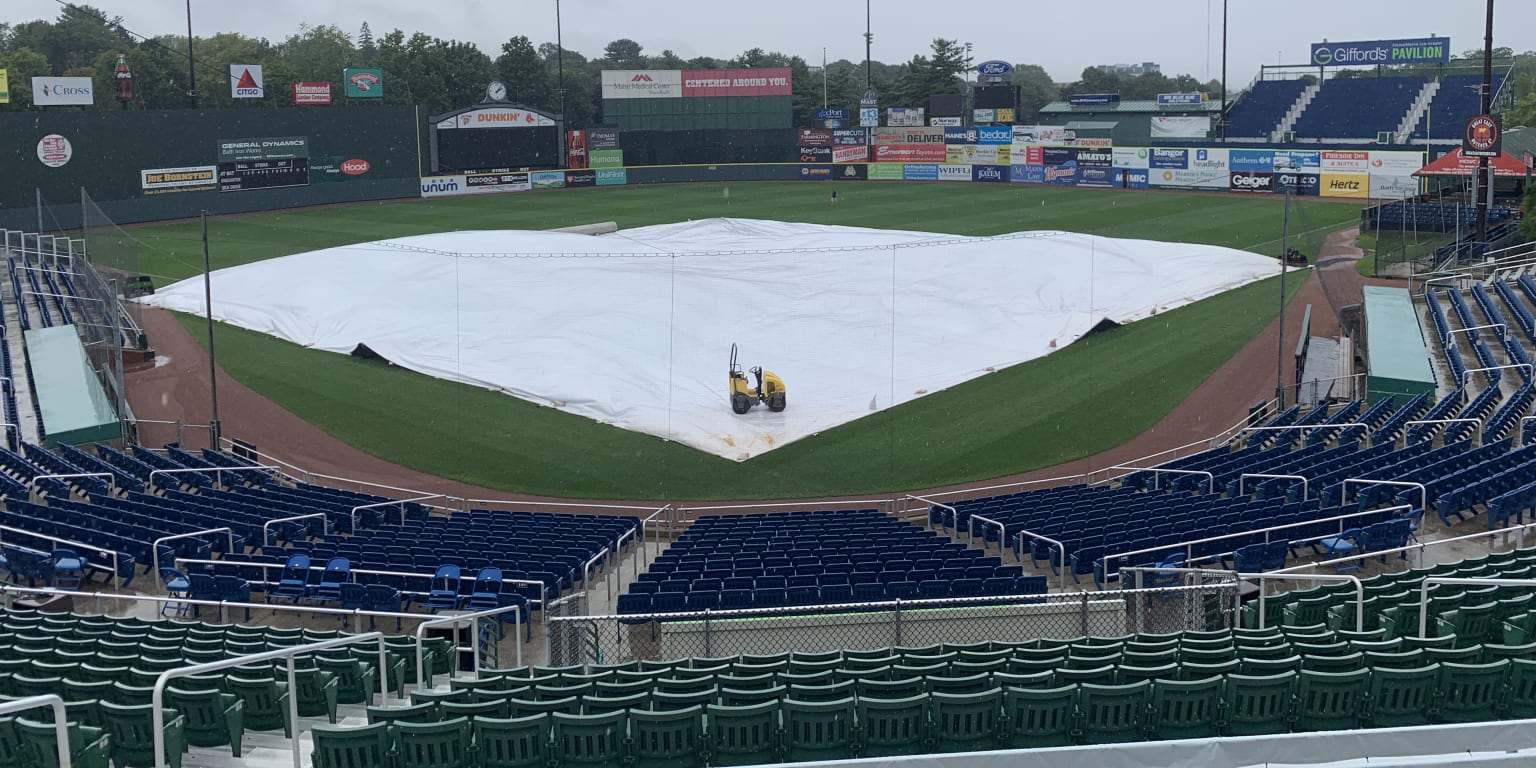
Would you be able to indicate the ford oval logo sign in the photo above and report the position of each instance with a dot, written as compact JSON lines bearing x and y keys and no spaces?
{"x":994,"y":68}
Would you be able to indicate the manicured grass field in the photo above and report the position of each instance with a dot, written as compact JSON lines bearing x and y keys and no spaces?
{"x":1085,"y":398}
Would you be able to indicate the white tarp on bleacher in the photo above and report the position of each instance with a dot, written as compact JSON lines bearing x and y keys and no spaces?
{"x":634,"y":329}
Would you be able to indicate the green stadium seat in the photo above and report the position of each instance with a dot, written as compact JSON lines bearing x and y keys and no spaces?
{"x":353,"y":746}
{"x":1186,"y":709}
{"x":266,"y":703}
{"x":132,"y":732}
{"x":519,"y":742}
{"x":1114,"y":713}
{"x":818,"y":730}
{"x":891,"y":727}
{"x":213,"y":719}
{"x":443,"y":744}
{"x":1401,"y":697}
{"x":744,"y":735}
{"x":1472,"y":692}
{"x":965,"y":722}
{"x":1330,"y":700}
{"x":1259,"y":704}
{"x":1039,"y":717}
{"x":673,"y":739}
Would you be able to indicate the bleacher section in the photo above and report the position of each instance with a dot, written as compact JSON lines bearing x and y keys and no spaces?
{"x":815,"y":558}
{"x":1457,"y":99}
{"x":105,"y":669}
{"x":1302,"y":666}
{"x":1358,"y":108}
{"x":1259,"y":114}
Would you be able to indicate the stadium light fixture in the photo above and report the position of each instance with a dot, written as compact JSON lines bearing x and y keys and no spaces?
{"x":191,"y":70}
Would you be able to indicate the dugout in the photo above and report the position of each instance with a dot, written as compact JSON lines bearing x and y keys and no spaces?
{"x":73,"y":403}
{"x":1396,"y":358}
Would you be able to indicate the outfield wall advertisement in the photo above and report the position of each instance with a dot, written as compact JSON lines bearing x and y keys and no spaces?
{"x":955,"y":155}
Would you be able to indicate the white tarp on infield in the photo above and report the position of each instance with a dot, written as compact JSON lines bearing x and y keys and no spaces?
{"x":634,"y":329}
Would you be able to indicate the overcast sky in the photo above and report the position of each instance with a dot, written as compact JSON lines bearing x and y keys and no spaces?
{"x":1181,"y":35}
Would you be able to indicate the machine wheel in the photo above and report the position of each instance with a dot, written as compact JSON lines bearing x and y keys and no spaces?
{"x":776,"y":402}
{"x":740,"y":403}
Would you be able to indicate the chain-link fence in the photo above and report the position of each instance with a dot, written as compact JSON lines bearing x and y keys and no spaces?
{"x":1207,"y":602}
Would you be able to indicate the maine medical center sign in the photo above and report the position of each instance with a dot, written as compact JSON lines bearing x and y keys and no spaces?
{"x":1421,"y":51}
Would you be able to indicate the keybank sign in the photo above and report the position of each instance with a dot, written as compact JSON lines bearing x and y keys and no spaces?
{"x":1420,"y":51}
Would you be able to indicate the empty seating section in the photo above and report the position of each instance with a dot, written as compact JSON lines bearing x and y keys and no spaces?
{"x":1433,"y":217}
{"x":1274,"y":675}
{"x":1160,"y":512}
{"x":532,"y":546}
{"x":815,"y":558}
{"x":1358,"y":108}
{"x":1457,"y":99}
{"x":105,"y":669}
{"x":1259,"y":114}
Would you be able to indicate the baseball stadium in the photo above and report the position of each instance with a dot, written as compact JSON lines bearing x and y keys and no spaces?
{"x":667,"y":413}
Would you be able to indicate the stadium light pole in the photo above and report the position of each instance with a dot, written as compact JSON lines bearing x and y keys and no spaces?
{"x":1221,"y":117}
{"x":1484,"y":187}
{"x":191,"y":70}
{"x":213,"y":371}
{"x":1285,"y":250}
{"x":869,"y":41}
{"x":560,"y":59}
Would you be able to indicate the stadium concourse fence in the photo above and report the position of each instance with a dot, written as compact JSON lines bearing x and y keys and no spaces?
{"x":1205,"y":601}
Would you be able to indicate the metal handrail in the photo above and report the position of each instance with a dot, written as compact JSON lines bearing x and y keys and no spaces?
{"x":266,"y":528}
{"x":1019,"y":486}
{"x":1187,"y":546}
{"x":1466,"y":376}
{"x":60,"y":720}
{"x":1423,"y":490}
{"x":218,"y":472}
{"x":391,"y":503}
{"x":1503,"y":330}
{"x":1305,"y":427}
{"x":111,"y":478}
{"x":1002,"y":533}
{"x":155,"y":547}
{"x":455,"y":620}
{"x":157,"y":698}
{"x":618,"y":547}
{"x":117,"y":573}
{"x":316,"y":475}
{"x":313,"y":567}
{"x":1518,"y":530}
{"x":1477,"y":434}
{"x":954,"y":514}
{"x":645,"y":538}
{"x":1210,"y":479}
{"x":1241,"y":481}
{"x":1061,"y":549}
{"x":1359,"y":590}
{"x":1464,"y":581}
{"x":586,"y":568}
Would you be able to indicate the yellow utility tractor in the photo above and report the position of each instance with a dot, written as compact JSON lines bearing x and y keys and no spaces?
{"x":769,"y":390}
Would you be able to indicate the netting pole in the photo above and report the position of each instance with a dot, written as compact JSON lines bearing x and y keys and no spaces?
{"x":39,"y":192}
{"x":213,"y":372}
{"x":1285,"y":250}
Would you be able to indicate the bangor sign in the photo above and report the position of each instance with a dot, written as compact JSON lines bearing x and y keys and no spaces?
{"x":1420,"y":51}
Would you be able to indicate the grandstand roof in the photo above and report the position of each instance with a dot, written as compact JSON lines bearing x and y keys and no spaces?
{"x":1132,"y":106}
{"x":1091,"y":125}
{"x":1453,"y":163}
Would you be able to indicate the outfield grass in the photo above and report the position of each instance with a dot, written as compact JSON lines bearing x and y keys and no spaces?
{"x":1085,"y":398}
{"x":174,"y":251}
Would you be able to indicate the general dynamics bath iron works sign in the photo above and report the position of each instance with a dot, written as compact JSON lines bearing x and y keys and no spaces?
{"x":1425,"y":50}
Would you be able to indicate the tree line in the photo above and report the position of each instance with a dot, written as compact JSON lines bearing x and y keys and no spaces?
{"x":440,"y":74}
